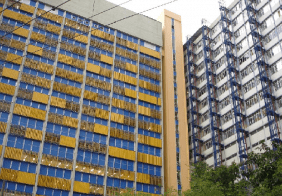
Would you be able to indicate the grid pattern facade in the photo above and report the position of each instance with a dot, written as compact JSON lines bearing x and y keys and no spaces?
{"x":80,"y":106}
{"x":233,"y":74}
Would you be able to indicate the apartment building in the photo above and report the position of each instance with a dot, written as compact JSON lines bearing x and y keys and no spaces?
{"x":233,"y":82}
{"x":81,"y":108}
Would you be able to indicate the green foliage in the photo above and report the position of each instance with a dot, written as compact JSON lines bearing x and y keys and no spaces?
{"x":266,"y":176}
{"x":262,"y":178}
{"x":215,"y":182}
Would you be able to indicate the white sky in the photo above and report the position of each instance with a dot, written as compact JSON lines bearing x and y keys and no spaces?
{"x":191,"y":11}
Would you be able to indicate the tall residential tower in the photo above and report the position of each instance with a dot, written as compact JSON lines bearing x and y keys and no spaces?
{"x":233,"y":82}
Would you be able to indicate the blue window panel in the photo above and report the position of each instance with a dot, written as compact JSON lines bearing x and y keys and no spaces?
{"x":93,"y":179}
{"x":139,"y":187}
{"x":101,"y":159}
{"x":111,"y":162}
{"x":151,"y":189}
{"x":146,"y":188}
{"x":178,"y":168}
{"x":51,"y":172}
{"x":146,"y":149}
{"x":15,"y":165}
{"x":78,"y":176}
{"x":158,"y":152}
{"x":24,"y":167}
{"x":123,"y":184}
{"x":118,"y":163}
{"x":116,"y":183}
{"x":110,"y":182}
{"x":67,"y":174}
{"x":60,"y":173}
{"x":158,"y":171}
{"x":145,"y":168}
{"x":85,"y":177}
{"x":179,"y":187}
{"x":177,"y":135}
{"x":124,"y":165}
{"x":151,"y":169}
{"x":60,"y":12}
{"x":139,"y":167}
{"x":43,"y":170}
{"x":129,"y":184}
{"x":130,"y":165}
{"x":100,"y":180}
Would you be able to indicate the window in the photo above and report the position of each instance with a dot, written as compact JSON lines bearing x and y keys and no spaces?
{"x":263,"y":10}
{"x":221,"y":76}
{"x":270,"y":36}
{"x":225,"y":102}
{"x":251,"y":84}
{"x":240,"y":32}
{"x":227,"y":117}
{"x":242,"y":44}
{"x":277,"y":84}
{"x":205,"y":131}
{"x":222,"y":89}
{"x":273,"y":51}
{"x":207,"y":145}
{"x":267,"y":23}
{"x":249,"y":69}
{"x":229,"y":132}
{"x":253,"y":100}
{"x":205,"y":117}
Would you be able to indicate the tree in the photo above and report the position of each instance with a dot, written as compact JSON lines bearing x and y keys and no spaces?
{"x":221,"y":181}
{"x":265,"y":170}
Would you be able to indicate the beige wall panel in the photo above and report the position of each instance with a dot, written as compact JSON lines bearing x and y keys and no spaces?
{"x":168,"y":100}
{"x":182,"y":111}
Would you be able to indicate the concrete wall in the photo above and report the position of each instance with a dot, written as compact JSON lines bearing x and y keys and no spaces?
{"x":170,"y":165}
{"x":139,"y":26}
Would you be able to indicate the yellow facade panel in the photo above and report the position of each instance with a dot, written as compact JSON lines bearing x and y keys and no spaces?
{"x":33,"y":134}
{"x":132,"y":68}
{"x":67,"y":141}
{"x":130,"y":93}
{"x":35,"y":50}
{"x":37,"y":114}
{"x":81,"y":187}
{"x":3,"y":127}
{"x":122,"y":153}
{"x":13,"y":153}
{"x":38,"y":37}
{"x":22,"y":32}
{"x":117,"y":118}
{"x":81,"y":38}
{"x":10,"y":73}
{"x":107,"y":59}
{"x":7,"y":89}
{"x":25,"y":178}
{"x":17,"y":176}
{"x":71,"y":122}
{"x":159,"y":101}
{"x":101,"y":129}
{"x":93,"y":68}
{"x":58,"y":102}
{"x":14,"y":58}
{"x":39,"y":97}
{"x":27,"y":8}
{"x":150,"y":52}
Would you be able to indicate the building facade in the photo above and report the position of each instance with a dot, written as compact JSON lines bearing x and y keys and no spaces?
{"x":81,"y":102}
{"x":233,"y":76}
{"x":176,"y":151}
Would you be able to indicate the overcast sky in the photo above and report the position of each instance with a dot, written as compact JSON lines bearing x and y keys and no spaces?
{"x":191,"y":11}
